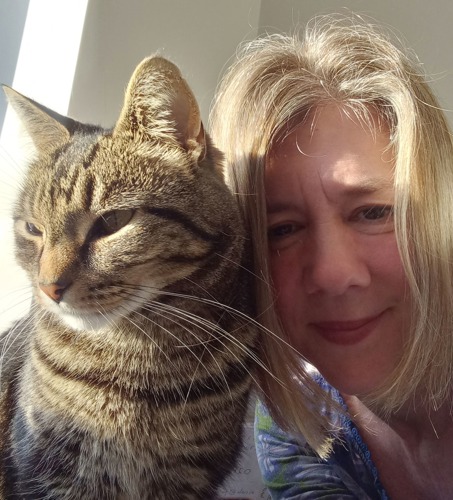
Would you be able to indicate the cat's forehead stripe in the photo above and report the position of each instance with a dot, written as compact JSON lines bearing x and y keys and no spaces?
{"x":91,"y":156}
{"x":89,"y":190}
{"x":66,"y":180}
{"x":71,"y":176}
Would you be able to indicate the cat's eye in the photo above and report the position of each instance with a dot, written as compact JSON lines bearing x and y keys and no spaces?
{"x":111,"y":222}
{"x":32,"y":229}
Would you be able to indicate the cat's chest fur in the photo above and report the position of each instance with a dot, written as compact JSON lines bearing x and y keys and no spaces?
{"x":129,"y":379}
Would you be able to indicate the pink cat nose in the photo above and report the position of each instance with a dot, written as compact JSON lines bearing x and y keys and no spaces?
{"x":53,"y":290}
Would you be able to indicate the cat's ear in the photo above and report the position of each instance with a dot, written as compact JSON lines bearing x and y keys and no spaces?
{"x":159,"y":103}
{"x":46,"y":128}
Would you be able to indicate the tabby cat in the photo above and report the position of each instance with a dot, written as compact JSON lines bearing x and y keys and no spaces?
{"x":130,"y":376}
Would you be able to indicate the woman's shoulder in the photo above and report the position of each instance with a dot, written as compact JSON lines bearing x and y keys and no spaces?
{"x":291,"y":467}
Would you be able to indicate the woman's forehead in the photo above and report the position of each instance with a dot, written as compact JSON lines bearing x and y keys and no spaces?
{"x":332,"y":127}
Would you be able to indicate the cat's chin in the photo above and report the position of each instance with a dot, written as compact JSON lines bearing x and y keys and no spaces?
{"x":88,"y":322}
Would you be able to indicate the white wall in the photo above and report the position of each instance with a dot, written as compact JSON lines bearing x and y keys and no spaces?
{"x":198,"y":35}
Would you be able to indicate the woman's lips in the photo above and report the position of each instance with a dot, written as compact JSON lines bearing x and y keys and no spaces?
{"x":346,"y":332}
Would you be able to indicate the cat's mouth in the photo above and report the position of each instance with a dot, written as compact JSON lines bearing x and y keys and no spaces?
{"x":92,"y":317}
{"x":92,"y":321}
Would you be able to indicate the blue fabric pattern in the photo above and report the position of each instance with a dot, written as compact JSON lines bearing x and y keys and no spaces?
{"x":291,"y":469}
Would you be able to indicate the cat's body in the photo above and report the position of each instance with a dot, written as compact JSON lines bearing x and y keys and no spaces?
{"x":130,"y":377}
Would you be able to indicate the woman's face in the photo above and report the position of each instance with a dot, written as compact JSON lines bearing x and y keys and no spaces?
{"x":339,"y":281}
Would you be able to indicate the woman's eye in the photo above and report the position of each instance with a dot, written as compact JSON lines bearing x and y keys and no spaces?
{"x":281,"y":231}
{"x":32,"y":229}
{"x":377,"y":213}
{"x":374,"y":219}
{"x":111,"y":222}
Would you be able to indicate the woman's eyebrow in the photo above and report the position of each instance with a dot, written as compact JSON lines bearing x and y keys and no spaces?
{"x":281,"y":206}
{"x":367,"y":186}
{"x":357,"y":188}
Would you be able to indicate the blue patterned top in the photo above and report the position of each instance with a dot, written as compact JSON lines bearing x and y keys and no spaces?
{"x":291,"y":469}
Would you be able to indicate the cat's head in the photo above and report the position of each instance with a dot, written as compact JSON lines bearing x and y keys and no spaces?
{"x":109,"y":219}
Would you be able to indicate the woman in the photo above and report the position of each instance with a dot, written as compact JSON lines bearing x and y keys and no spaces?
{"x":343,"y":164}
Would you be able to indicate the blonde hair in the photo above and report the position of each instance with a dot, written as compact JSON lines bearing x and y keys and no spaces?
{"x":274,"y":83}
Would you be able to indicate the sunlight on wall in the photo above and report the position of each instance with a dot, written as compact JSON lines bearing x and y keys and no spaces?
{"x":45,"y":72}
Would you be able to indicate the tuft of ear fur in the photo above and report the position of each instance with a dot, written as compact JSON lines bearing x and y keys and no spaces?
{"x":160,"y":104}
{"x":46,"y":128}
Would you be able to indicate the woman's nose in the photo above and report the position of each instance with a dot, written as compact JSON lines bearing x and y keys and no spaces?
{"x":335,"y":261}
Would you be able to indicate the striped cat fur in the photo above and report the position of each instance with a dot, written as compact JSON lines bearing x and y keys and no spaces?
{"x":130,"y":376}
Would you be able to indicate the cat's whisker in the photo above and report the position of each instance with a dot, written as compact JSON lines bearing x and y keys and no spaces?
{"x":104,"y":315}
{"x":190,"y":319}
{"x":245,"y":317}
{"x":166,"y":330}
{"x":237,"y":265}
{"x":16,"y":290}
{"x":19,"y":325}
{"x":24,"y":293}
{"x":128,"y":318}
{"x":210,"y":327}
{"x":192,"y":381}
{"x":21,"y":306}
{"x":193,"y":320}
{"x":10,"y":337}
{"x":199,"y":286}
{"x":154,"y":305}
{"x":227,"y":308}
{"x":250,"y":353}
{"x":244,"y":268}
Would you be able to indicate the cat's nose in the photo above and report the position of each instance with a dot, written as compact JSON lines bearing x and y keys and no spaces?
{"x":54,"y":290}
